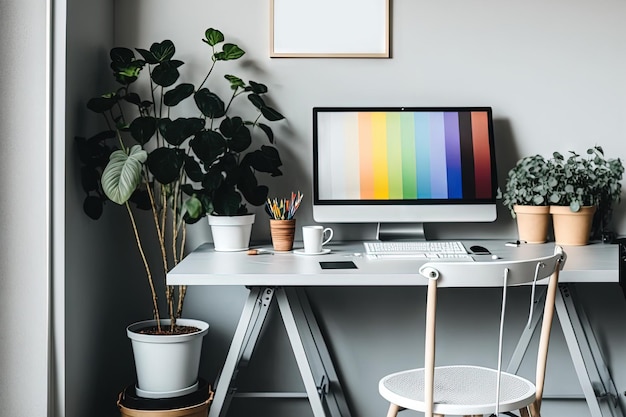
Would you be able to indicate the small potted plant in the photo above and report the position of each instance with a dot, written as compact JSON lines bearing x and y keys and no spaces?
{"x":526,"y":196}
{"x":178,"y":167}
{"x":579,"y":186}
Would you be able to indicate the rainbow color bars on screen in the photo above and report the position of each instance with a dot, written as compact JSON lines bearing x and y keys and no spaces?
{"x":405,"y":155}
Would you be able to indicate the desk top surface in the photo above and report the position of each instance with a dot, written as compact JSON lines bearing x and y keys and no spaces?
{"x":204,"y":266}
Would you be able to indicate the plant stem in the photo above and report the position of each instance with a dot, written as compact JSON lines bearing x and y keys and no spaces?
{"x":209,"y":73}
{"x":146,"y":266}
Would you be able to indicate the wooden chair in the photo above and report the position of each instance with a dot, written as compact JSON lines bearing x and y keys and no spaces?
{"x":474,"y":390}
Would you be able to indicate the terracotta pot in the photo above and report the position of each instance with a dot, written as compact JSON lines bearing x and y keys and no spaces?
{"x":532,"y":223}
{"x":282,"y":232}
{"x":572,"y":228}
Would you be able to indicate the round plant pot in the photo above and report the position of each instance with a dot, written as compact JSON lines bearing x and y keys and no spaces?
{"x":166,"y":365}
{"x":572,"y":228}
{"x":532,"y":223}
{"x":195,"y":404}
{"x":282,"y":233}
{"x":231,"y":233}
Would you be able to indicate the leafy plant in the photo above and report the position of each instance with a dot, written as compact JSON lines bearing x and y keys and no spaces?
{"x":585,"y":181}
{"x":179,"y":168}
{"x":527,"y":183}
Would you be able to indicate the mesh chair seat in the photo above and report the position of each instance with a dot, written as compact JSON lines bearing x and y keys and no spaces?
{"x":458,"y":390}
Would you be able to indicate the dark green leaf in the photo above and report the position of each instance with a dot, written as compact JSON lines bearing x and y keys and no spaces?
{"x":148,"y":56}
{"x":177,"y":131}
{"x":193,"y":170}
{"x":178,"y":94}
{"x":226,"y":201}
{"x":229,"y":52}
{"x":271,"y":114}
{"x":120,"y":57}
{"x":90,"y":178}
{"x":133,"y":98}
{"x":213,"y":36}
{"x":143,"y":128}
{"x":92,"y":206}
{"x":256,"y":100}
{"x":258,"y":88}
{"x":237,"y":132}
{"x":165,"y":164}
{"x":126,"y":71}
{"x":166,"y":73}
{"x":208,"y":145}
{"x":163,"y":51}
{"x":104,"y":135}
{"x":141,"y":199}
{"x":253,"y":193}
{"x":212,"y":180}
{"x":268,"y":131}
{"x":209,"y":103}
{"x":265,"y":159}
{"x":235,"y":82}
{"x":101,"y":104}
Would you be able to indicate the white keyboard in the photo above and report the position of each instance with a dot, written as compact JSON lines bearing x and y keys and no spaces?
{"x":427,"y":250}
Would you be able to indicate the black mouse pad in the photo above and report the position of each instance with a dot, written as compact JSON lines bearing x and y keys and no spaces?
{"x":338,"y":265}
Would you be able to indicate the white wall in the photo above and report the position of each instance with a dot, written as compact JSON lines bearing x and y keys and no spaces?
{"x":553,"y":72}
{"x":24,"y":208}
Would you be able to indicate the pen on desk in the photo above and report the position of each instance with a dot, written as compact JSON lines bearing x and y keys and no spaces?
{"x":259,"y":252}
{"x":514,"y":244}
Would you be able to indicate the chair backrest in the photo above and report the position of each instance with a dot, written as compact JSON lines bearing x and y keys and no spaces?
{"x":492,"y":274}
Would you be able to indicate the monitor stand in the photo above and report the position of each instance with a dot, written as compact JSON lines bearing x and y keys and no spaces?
{"x":400,"y":231}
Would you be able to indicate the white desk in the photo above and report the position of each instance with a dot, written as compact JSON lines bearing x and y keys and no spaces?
{"x":282,"y":276}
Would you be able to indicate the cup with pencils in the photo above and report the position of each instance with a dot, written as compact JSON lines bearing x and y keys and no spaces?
{"x":282,"y":220}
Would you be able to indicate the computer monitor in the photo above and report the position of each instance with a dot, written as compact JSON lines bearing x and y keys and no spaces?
{"x":401,"y":167}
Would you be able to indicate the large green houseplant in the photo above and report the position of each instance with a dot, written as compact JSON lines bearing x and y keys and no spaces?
{"x":589,"y":185}
{"x":152,"y":156}
{"x":526,"y":196}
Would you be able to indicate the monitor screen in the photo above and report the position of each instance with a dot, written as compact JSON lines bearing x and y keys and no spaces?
{"x":403,"y":165}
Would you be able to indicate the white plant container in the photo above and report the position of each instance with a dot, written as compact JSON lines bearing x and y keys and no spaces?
{"x":231,"y":233}
{"x":166,"y":365}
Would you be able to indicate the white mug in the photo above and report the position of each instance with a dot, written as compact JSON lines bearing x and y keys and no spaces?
{"x":314,"y":237}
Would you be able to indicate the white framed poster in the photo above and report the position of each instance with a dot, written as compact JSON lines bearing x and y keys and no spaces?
{"x":329,"y":28}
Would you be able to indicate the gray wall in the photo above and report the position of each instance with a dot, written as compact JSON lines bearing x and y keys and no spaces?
{"x":24,"y":209}
{"x":553,"y":72}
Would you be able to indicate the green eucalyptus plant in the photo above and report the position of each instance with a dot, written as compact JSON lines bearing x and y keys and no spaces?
{"x":591,"y":180}
{"x":527,"y":183}
{"x":179,"y":167}
{"x":584,"y":180}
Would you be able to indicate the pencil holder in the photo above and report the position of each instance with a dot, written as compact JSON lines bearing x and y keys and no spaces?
{"x":282,"y":232}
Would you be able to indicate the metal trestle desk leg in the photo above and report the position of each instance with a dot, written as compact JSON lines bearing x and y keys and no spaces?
{"x":314,"y":363}
{"x":601,"y":394}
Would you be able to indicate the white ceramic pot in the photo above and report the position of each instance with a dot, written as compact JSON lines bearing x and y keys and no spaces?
{"x":231,"y":233}
{"x":166,"y":365}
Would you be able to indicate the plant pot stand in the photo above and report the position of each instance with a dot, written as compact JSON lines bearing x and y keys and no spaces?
{"x":195,"y":404}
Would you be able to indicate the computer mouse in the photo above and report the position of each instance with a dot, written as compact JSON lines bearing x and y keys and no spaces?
{"x":480,"y":250}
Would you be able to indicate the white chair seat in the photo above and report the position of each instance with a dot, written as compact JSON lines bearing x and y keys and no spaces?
{"x":459,"y":390}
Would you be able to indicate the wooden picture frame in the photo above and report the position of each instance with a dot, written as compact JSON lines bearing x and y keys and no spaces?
{"x":329,"y":28}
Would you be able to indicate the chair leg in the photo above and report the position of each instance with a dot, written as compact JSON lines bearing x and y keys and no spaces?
{"x":523,"y":412}
{"x":534,"y":409}
{"x":393,"y":410}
